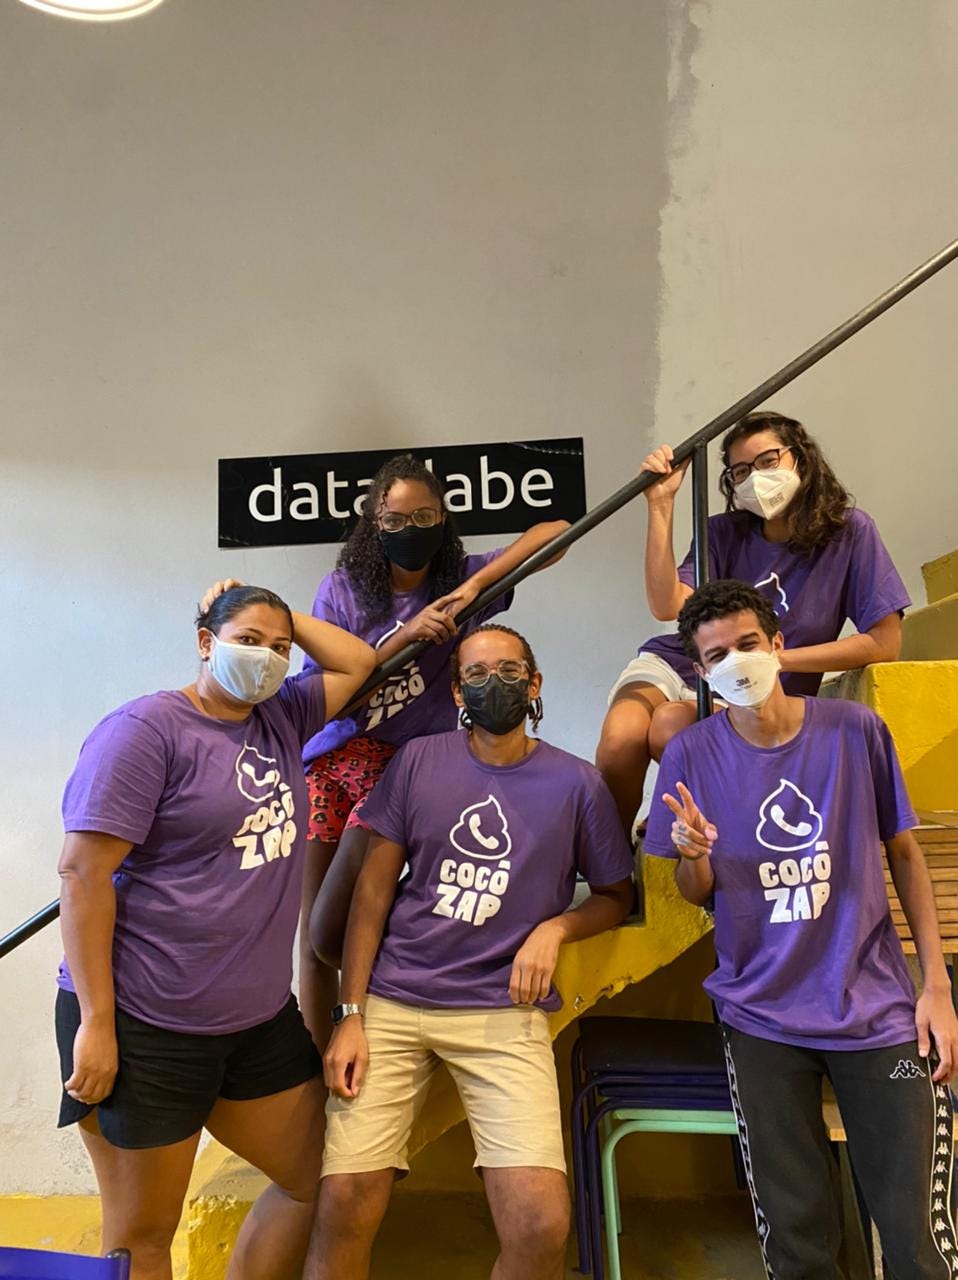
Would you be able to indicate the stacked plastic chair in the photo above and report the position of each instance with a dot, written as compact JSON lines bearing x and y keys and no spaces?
{"x":632,"y":1075}
{"x":41,"y":1264}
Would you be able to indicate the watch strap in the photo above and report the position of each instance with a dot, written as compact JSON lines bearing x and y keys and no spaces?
{"x":341,"y":1011}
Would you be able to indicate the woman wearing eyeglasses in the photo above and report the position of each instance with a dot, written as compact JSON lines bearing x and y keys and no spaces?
{"x":401,"y":576}
{"x":790,"y":529}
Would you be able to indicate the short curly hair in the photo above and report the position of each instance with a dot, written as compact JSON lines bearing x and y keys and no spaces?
{"x":720,"y":599}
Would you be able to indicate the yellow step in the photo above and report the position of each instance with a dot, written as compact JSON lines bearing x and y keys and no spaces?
{"x":941,"y":577}
{"x":931,"y":634}
{"x":919,"y":703}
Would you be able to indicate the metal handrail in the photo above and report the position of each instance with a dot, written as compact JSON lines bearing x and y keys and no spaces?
{"x":694,"y":445}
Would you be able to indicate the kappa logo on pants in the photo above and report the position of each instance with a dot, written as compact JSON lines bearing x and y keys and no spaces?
{"x":906,"y":1070}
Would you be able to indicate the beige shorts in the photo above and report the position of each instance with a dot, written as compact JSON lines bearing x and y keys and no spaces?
{"x":503,"y":1066}
{"x":649,"y":668}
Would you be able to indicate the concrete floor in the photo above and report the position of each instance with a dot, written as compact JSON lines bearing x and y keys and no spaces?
{"x":427,"y":1236}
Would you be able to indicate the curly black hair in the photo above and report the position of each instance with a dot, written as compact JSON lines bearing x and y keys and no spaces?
{"x":535,"y":705}
{"x":719,"y":599}
{"x":820,"y":508}
{"x":363,"y":556}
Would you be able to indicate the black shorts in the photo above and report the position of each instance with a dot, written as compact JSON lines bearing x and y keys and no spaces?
{"x":168,"y":1081}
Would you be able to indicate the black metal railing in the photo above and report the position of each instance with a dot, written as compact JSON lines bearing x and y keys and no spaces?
{"x":695,"y":447}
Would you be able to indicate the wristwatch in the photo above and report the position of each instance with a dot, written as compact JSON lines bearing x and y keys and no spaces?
{"x":341,"y":1011}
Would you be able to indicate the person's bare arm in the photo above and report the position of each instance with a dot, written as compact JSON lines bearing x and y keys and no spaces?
{"x":87,"y":918}
{"x":345,"y":660}
{"x":347,"y":1054}
{"x":935,"y":1012}
{"x":516,"y":553}
{"x":880,"y":643}
{"x":536,"y":959}
{"x":665,"y":593}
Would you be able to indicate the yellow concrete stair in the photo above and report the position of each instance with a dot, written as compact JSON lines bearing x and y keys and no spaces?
{"x":917,"y":697}
{"x":587,"y":971}
{"x":930,"y":634}
{"x":941,"y":577}
{"x":919,"y":703}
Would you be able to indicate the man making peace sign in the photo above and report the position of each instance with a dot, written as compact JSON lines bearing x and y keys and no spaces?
{"x":776,"y":808}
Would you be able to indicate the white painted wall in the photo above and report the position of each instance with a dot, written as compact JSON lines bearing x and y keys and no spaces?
{"x":813,"y":161}
{"x":234,"y":228}
{"x":231,"y":228}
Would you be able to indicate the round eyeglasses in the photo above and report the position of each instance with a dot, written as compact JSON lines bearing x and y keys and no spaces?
{"x":767,"y":460}
{"x":422,"y":518}
{"x":509,"y":671}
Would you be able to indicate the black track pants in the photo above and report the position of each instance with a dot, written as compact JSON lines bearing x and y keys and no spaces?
{"x":899,"y":1127}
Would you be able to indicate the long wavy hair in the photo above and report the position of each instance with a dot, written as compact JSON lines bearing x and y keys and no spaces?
{"x":363,"y":557}
{"x":820,"y":508}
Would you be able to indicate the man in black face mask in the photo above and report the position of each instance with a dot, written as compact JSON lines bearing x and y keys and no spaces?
{"x":494,"y":824}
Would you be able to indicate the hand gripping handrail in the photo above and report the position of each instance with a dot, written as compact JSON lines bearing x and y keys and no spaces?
{"x":695,"y":444}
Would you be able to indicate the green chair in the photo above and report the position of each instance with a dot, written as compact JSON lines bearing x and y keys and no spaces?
{"x":618,"y":1125}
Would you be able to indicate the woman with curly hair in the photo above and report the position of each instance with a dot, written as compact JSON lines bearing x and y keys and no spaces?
{"x":401,"y":576}
{"x":790,"y":529}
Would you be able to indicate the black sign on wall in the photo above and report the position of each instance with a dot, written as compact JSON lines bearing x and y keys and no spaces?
{"x":315,"y":497}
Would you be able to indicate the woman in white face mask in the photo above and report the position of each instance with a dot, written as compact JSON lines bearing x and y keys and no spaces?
{"x":182,"y":873}
{"x":791,"y":530}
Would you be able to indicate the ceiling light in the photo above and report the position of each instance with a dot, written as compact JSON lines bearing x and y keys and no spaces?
{"x":94,"y":10}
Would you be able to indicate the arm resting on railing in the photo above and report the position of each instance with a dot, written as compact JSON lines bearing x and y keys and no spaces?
{"x":526,"y":545}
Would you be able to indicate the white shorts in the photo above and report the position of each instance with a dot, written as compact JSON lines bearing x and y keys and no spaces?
{"x":649,"y":668}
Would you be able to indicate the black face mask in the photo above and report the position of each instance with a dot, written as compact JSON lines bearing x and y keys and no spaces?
{"x":412,"y":548}
{"x":497,"y":707}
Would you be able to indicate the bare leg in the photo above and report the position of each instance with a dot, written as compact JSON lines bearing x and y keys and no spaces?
{"x":327,"y":925}
{"x":318,"y":983}
{"x":351,"y":1208}
{"x":142,"y":1196}
{"x":668,"y":720}
{"x":530,"y":1207}
{"x":623,"y":755}
{"x":282,"y":1136}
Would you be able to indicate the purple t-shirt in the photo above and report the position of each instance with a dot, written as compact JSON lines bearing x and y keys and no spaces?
{"x":850,"y":577}
{"x":807,"y":952}
{"x":416,"y":700}
{"x":493,"y":851}
{"x":207,"y":900}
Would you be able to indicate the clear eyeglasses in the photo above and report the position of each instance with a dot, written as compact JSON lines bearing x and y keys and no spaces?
{"x":509,"y":671}
{"x":422,"y":518}
{"x":769,"y":460}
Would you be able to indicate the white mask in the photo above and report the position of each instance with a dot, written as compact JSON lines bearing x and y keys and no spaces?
{"x":745,"y":679}
{"x":250,"y":672}
{"x":767,"y":493}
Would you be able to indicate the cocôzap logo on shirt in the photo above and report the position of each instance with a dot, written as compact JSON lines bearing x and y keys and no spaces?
{"x":471,"y":887}
{"x":398,"y":691}
{"x":268,"y":831}
{"x":797,"y":886}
